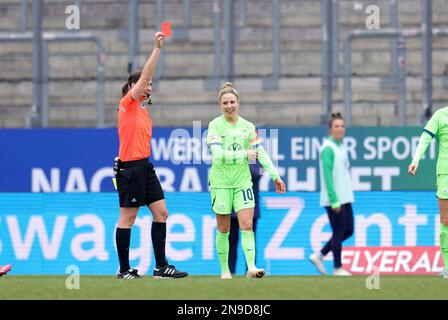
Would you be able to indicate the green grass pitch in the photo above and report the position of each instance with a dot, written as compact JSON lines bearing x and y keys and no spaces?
{"x":211,"y":287}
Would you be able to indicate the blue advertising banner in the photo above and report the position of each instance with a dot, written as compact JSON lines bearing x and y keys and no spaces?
{"x":80,"y":160}
{"x":45,"y":233}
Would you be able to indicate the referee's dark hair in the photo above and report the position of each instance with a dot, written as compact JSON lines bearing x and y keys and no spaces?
{"x":133,"y":78}
{"x":334,"y":116}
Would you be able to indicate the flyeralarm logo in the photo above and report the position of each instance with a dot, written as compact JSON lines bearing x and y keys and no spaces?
{"x":393,"y":260}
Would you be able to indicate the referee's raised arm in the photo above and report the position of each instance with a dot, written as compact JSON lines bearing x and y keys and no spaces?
{"x":150,"y":66}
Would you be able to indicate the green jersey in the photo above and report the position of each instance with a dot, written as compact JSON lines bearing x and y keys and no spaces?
{"x":436,"y":127}
{"x":229,"y":144}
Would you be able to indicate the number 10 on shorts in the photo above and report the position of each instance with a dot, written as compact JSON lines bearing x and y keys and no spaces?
{"x":248,"y":194}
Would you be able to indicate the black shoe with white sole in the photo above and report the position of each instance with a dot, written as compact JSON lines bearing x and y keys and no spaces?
{"x":167,"y":272}
{"x":130,"y":274}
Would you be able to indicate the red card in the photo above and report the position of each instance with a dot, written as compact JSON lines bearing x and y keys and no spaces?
{"x":166,"y":28}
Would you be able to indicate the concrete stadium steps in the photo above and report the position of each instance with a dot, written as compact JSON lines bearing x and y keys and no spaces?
{"x":15,"y":115}
{"x":188,"y":62}
{"x":190,"y":91}
{"x":367,"y":87}
{"x":372,"y":114}
{"x":200,"y":65}
{"x":177,"y":102}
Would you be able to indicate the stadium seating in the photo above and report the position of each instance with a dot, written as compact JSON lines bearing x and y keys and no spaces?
{"x":180,"y":96}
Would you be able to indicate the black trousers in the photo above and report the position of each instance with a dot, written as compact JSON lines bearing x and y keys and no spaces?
{"x":342,"y":227}
{"x":233,"y":241}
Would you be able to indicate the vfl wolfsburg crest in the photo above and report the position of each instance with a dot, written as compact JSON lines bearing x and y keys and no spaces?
{"x":234,"y":147}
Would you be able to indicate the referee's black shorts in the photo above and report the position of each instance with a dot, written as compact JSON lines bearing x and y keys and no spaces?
{"x":137,"y":184}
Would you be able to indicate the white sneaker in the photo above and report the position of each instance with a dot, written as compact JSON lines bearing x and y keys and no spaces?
{"x":255,"y":273}
{"x":341,"y":272}
{"x":318,"y":260}
{"x":226,"y":275}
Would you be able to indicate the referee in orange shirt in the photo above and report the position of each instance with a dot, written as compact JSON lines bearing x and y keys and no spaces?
{"x":137,"y":183}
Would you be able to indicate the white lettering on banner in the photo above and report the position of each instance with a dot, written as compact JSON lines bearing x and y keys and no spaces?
{"x":179,"y":152}
{"x":306,"y":148}
{"x":371,"y":260}
{"x":166,"y":177}
{"x":76,"y":181}
{"x":160,"y":149}
{"x":181,"y":148}
{"x":36,"y":226}
{"x":399,"y":147}
{"x":308,"y":185}
{"x":179,"y":139}
{"x":406,"y":148}
{"x":208,"y":237}
{"x":437,"y":258}
{"x":187,"y":236}
{"x":356,"y":173}
{"x":384,"y":145}
{"x":422,"y":263}
{"x":386,"y":174}
{"x":411,"y":220}
{"x":393,"y":260}
{"x":273,"y":250}
{"x":272,"y":148}
{"x":97,"y":237}
{"x":99,"y":176}
{"x":350,"y":145}
{"x":297,"y":148}
{"x":318,"y":238}
{"x":190,"y":181}
{"x":356,"y":263}
{"x":143,"y":252}
{"x":370,"y":148}
{"x":403,"y":259}
{"x":40,"y":182}
{"x":436,"y":230}
{"x":378,"y":219}
{"x":387,"y":263}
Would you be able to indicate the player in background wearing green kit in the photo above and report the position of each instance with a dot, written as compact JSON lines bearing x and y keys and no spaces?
{"x":233,"y":142}
{"x":437,"y":127}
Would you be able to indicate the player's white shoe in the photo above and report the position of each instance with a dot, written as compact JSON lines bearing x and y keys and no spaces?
{"x":255,"y":273}
{"x":445,"y":274}
{"x":226,"y":275}
{"x":341,"y":272}
{"x":318,"y":260}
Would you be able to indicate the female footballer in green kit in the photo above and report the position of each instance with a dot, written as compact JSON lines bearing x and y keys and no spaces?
{"x":233,"y":142}
{"x":437,"y":127}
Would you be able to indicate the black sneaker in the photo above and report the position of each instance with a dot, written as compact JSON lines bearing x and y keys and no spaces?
{"x":167,"y":272}
{"x":130,"y":274}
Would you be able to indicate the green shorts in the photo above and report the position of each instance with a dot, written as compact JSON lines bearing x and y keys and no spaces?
{"x":442,"y":186}
{"x":224,"y":200}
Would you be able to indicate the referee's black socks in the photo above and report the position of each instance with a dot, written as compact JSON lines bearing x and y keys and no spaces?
{"x":158,"y":236}
{"x":123,"y":240}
